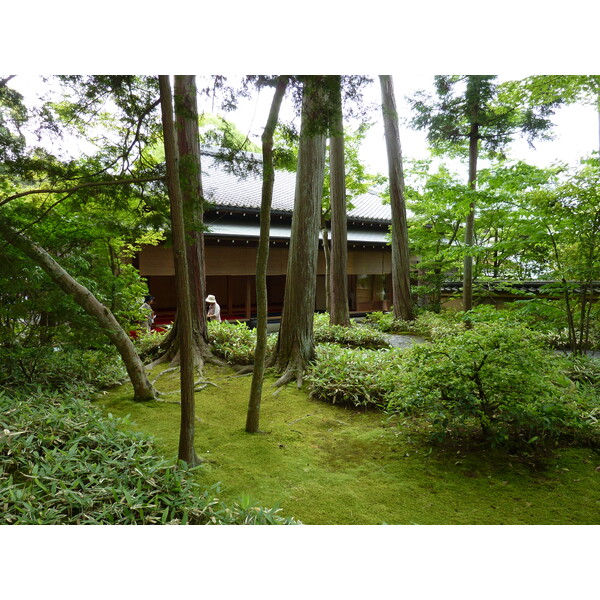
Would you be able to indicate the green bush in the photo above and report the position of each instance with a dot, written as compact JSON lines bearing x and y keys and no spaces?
{"x":427,"y":323}
{"x":355,"y":335}
{"x":63,"y":462}
{"x":235,"y":342}
{"x":60,"y":368}
{"x":148,"y":343}
{"x":497,"y":378}
{"x":362,"y":378}
{"x":387,"y":323}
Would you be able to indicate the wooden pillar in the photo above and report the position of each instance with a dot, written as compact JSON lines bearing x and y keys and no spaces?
{"x":229,"y":296}
{"x":248,"y":296}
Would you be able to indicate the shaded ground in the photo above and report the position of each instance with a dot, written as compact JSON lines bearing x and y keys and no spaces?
{"x":327,"y":464}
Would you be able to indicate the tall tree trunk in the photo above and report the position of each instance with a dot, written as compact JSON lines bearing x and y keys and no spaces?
{"x":403,"y":308}
{"x":182,"y":283}
{"x":470,"y":221}
{"x":262,"y":259}
{"x":188,"y":143}
{"x":338,"y":267}
{"x":295,"y":345}
{"x":142,"y":388}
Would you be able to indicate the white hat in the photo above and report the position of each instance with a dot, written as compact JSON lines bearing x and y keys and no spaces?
{"x":210,"y":298}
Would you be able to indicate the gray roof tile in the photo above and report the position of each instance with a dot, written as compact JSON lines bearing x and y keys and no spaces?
{"x":226,"y":189}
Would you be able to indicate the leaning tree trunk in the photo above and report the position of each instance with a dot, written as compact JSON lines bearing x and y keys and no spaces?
{"x":262,"y":259}
{"x":295,"y":345}
{"x":186,"y":115}
{"x":338,"y":271}
{"x":142,"y":388}
{"x":182,"y":283}
{"x":403,"y":308}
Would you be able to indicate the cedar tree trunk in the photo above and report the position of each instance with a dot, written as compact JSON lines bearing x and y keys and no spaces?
{"x":186,"y":116}
{"x":338,"y":269}
{"x":470,"y":221}
{"x":182,"y":284}
{"x":403,"y":308}
{"x":295,"y":345}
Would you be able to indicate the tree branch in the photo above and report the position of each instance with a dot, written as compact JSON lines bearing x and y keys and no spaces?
{"x":81,"y":186}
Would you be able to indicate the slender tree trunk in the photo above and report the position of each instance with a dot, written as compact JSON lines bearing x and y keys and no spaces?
{"x":262,"y":259}
{"x":327,"y":258}
{"x":142,"y":387}
{"x":403,"y":308}
{"x":338,"y":265}
{"x":295,"y":345}
{"x":182,"y":283}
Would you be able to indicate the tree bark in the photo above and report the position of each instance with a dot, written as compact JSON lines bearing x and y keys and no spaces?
{"x":142,"y":387}
{"x":338,"y":270}
{"x":403,"y":307}
{"x":470,"y":221}
{"x":186,"y":118}
{"x":182,"y":283}
{"x":295,"y":346}
{"x":262,"y":259}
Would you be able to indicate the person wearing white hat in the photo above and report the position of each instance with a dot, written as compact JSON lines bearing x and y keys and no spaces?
{"x":214,"y":310}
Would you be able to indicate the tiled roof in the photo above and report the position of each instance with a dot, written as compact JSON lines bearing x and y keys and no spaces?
{"x":223,"y":188}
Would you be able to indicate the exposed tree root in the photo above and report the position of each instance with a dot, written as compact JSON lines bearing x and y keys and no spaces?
{"x":300,"y":419}
{"x":201,"y":385}
{"x":169,"y":401}
{"x":294,"y":370}
{"x":169,"y":370}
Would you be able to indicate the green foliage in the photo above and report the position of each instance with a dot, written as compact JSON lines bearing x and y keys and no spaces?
{"x":464,"y":101}
{"x":496,"y":378}
{"x":355,"y":335}
{"x":64,"y":369}
{"x":362,"y":378}
{"x":388,"y":323}
{"x":62,"y":462}
{"x":429,"y":324}
{"x":13,"y":115}
{"x":148,"y":343}
{"x":235,"y":342}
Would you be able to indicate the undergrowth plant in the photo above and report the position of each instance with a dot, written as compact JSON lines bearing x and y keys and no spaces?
{"x":354,"y":335}
{"x":498,"y":380}
{"x":60,"y":368}
{"x":63,"y":462}
{"x":362,"y":378}
{"x":235,"y":342}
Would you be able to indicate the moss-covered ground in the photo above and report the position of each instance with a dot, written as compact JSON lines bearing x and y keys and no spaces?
{"x":325,"y":464}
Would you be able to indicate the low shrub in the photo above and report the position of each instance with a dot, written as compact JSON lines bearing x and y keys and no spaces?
{"x":63,"y":462}
{"x":235,"y":342}
{"x":355,"y":335}
{"x":427,"y":323}
{"x":388,"y":323}
{"x":148,"y":343}
{"x":497,"y":378}
{"x":361,"y":378}
{"x":60,"y":368}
